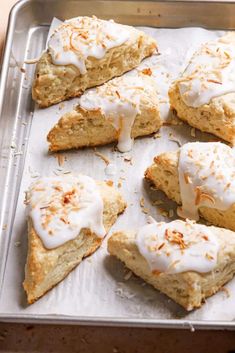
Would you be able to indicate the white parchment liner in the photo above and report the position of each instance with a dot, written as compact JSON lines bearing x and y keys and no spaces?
{"x":101,"y":286}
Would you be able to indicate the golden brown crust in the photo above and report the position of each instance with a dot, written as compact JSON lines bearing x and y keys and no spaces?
{"x":55,"y":83}
{"x":46,"y":268}
{"x":163,"y":174}
{"x":217,"y":117}
{"x":81,"y":127}
{"x":188,"y":289}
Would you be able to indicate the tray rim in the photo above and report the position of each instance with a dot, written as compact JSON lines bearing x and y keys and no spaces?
{"x":97,"y":320}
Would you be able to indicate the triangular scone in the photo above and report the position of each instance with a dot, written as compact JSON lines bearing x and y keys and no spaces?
{"x":65,"y":240}
{"x":204,"y":95}
{"x":187,"y":261}
{"x":119,"y":110}
{"x":201,"y":178}
{"x":85,"y":52}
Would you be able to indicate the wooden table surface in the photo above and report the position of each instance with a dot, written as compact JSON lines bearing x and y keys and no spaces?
{"x":44,"y":338}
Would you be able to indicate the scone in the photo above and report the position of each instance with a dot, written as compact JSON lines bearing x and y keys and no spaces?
{"x":187,"y":261}
{"x":201,"y":178}
{"x":204,"y":95}
{"x":119,"y":110}
{"x":68,"y":219}
{"x":85,"y":52}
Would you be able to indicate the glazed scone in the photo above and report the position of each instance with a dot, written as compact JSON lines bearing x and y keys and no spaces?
{"x":201,"y":178}
{"x":119,"y":110}
{"x":85,"y":52}
{"x":204,"y":96}
{"x":68,"y":219}
{"x":187,"y":261}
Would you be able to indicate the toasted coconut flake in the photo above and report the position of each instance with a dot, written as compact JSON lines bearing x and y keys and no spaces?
{"x":209,"y":257}
{"x":198,"y":195}
{"x":187,"y":179}
{"x":103,"y":157}
{"x":142,"y":202}
{"x":147,"y":71}
{"x":163,"y":212}
{"x":207,"y":197}
{"x":60,"y":159}
{"x":145,"y":210}
{"x":156,"y":272}
{"x":109,"y":182}
{"x":117,"y":93}
{"x":161,"y":246}
{"x":4,"y":227}
{"x":175,"y":237}
{"x":31,"y":61}
{"x":173,"y":138}
{"x":214,"y":81}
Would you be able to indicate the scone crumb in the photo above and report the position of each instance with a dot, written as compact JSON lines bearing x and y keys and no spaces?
{"x":127,"y":275}
{"x":157,"y":202}
{"x":226,"y":290}
{"x":163,"y":212}
{"x":142,"y":202}
{"x":31,"y":61}
{"x":157,"y":135}
{"x":61,"y":106}
{"x":193,"y":132}
{"x":173,"y":122}
{"x":144,"y":209}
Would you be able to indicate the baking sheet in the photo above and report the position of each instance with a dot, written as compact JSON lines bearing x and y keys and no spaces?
{"x":101,"y":287}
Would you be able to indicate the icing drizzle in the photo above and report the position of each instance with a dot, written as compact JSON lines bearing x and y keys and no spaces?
{"x":119,"y":101}
{"x":61,"y":206}
{"x":206,"y":177}
{"x":210,"y":72}
{"x":178,"y":247}
{"x":79,"y":38}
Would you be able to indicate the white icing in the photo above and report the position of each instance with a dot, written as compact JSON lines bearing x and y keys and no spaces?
{"x":111,"y":169}
{"x":210,"y":72}
{"x":178,"y":247}
{"x":206,"y":177}
{"x":79,"y":38}
{"x":61,"y":206}
{"x":119,"y":101}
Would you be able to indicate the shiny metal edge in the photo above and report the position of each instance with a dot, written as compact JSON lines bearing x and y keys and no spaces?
{"x":101,"y":321}
{"x":190,"y":325}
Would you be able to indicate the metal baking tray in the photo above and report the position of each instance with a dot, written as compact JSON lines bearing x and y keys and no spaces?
{"x":26,"y":36}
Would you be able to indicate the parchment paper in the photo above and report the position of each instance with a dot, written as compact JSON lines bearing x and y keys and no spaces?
{"x":101,"y":286}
